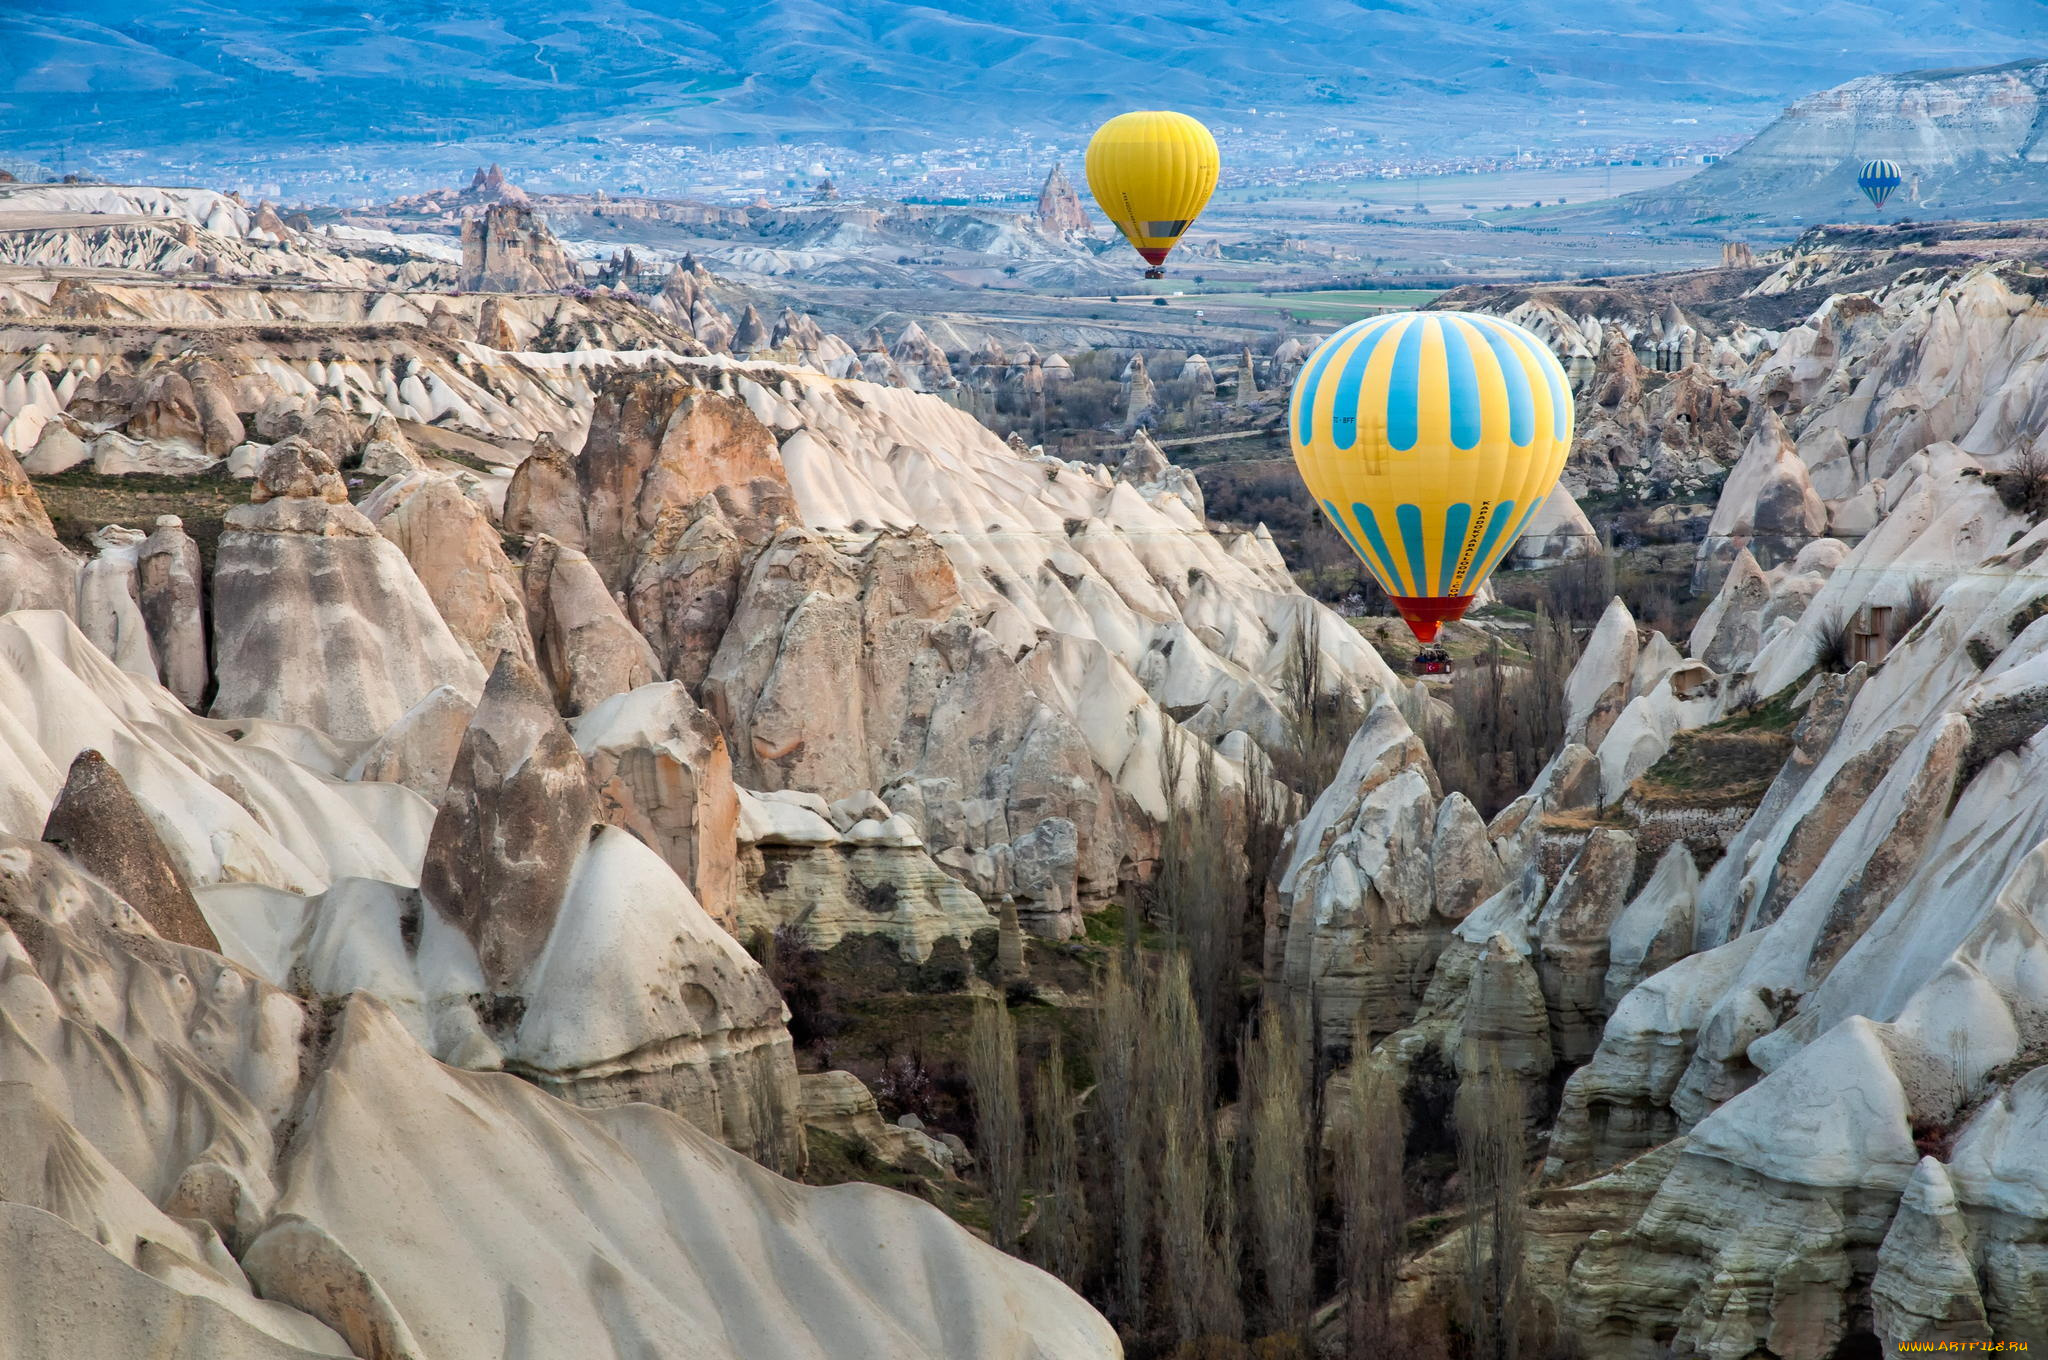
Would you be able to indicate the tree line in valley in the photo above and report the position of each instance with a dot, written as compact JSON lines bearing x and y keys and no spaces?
{"x":1203,"y":1166}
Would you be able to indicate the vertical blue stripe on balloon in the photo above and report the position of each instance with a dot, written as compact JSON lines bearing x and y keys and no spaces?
{"x":1520,"y":523}
{"x":1336,"y":517}
{"x":1560,"y":400}
{"x":1344,"y":434}
{"x":1409,"y":517}
{"x":1404,"y":390}
{"x":1495,"y":524}
{"x":1305,"y":389}
{"x":1457,"y":523}
{"x":1468,"y":417}
{"x":1371,"y":528}
{"x":1514,"y":369}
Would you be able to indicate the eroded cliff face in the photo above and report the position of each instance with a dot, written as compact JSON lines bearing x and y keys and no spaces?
{"x":220,"y":1163}
{"x":507,"y":750}
{"x":521,"y":899}
{"x":548,"y":657}
{"x":1798,"y":1024}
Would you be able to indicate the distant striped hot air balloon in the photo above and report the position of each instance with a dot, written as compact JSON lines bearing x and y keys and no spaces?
{"x":1878,"y":179}
{"x":1152,"y":173}
{"x":1429,"y":439}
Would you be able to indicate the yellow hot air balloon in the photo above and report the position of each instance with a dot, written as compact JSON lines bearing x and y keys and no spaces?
{"x":1151,"y":174}
{"x":1429,"y":439}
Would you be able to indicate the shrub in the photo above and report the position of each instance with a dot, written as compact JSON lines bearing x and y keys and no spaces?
{"x":1832,"y":642}
{"x":1918,"y":604}
{"x":907,"y":1086}
{"x":2022,"y":485}
{"x":796,"y":968}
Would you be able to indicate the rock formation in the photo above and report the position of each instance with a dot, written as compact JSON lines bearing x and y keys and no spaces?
{"x":1958,"y":130}
{"x":1059,"y":206}
{"x":35,"y":570}
{"x":317,"y":618}
{"x":99,"y":825}
{"x":1141,"y":399}
{"x":419,"y":750}
{"x":518,"y":810}
{"x":542,"y":497}
{"x":1647,"y":435}
{"x":656,"y":444}
{"x":660,"y":770}
{"x":108,"y":594}
{"x":172,"y":597}
{"x":455,"y":551}
{"x":509,"y":250}
{"x":224,"y":1239}
{"x":1558,"y":532}
{"x":586,"y":649}
{"x":850,"y":869}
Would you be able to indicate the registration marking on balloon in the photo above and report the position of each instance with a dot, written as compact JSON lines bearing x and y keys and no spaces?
{"x":1441,"y":432}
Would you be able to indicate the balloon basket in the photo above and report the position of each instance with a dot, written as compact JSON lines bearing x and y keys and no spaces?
{"x":1431,"y":661}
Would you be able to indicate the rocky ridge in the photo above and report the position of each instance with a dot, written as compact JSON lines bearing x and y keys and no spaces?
{"x":547,"y":656}
{"x":1795,"y":1028}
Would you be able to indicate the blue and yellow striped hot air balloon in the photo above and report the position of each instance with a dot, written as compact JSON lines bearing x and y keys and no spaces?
{"x":1429,"y":438}
{"x":1878,"y":179}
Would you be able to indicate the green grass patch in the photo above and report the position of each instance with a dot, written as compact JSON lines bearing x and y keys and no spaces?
{"x":80,"y":501}
{"x":1775,"y":715}
{"x":1729,"y":762}
{"x":1106,"y":928}
{"x":835,"y":1159}
{"x":1333,"y":304}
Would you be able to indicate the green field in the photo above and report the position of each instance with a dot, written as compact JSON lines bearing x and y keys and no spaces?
{"x":1335,"y":304}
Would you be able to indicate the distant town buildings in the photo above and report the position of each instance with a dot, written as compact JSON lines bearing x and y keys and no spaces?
{"x":1257,"y":155}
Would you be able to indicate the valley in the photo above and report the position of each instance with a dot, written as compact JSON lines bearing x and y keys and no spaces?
{"x":628,"y":773}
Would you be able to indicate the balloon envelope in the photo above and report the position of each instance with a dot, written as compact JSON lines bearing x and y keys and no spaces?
{"x":1429,"y":439}
{"x":1878,"y":179}
{"x":1151,"y":173}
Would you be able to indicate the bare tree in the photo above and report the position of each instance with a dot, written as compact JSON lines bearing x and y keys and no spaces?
{"x":1373,"y":1198}
{"x":1224,"y":1320}
{"x":1506,"y":718}
{"x":1194,"y":1214}
{"x":1201,"y":892}
{"x":1179,"y":1104}
{"x":998,"y":1117}
{"x":1283,"y":1209}
{"x":1059,"y":1238}
{"x":1120,"y":1124}
{"x":1492,"y":1168}
{"x":1320,"y":722}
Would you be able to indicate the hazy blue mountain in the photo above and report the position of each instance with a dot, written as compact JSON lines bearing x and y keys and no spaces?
{"x":1971,"y":143}
{"x":106,"y":73}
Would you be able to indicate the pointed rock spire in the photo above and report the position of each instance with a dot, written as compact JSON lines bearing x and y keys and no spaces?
{"x":752,"y":334}
{"x":518,"y":811}
{"x":1059,"y":206}
{"x":98,"y":823}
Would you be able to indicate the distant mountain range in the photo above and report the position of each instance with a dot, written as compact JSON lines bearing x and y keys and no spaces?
{"x":1972,"y":143}
{"x":122,"y":74}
